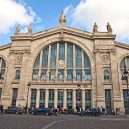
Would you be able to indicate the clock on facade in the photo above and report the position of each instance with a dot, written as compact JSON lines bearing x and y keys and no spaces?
{"x":61,"y":63}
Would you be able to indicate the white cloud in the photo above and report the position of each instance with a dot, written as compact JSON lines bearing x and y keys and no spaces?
{"x":14,"y":12}
{"x":116,"y":12}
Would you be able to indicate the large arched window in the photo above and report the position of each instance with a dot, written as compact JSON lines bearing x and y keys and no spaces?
{"x":2,"y":68}
{"x":62,"y":60}
{"x":124,"y":62}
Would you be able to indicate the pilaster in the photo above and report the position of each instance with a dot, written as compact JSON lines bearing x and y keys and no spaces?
{"x":46,"y":97}
{"x":65,"y":99}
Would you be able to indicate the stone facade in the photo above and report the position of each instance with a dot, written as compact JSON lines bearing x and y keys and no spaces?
{"x":102,"y":49}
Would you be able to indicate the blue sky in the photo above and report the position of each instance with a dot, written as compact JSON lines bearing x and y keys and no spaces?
{"x":81,"y":14}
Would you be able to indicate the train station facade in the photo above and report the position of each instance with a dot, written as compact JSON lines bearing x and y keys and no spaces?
{"x":64,"y":67}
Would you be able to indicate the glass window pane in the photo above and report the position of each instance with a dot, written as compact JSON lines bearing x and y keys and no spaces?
{"x":69,"y":98}
{"x":69,"y":74}
{"x":69,"y":56}
{"x":122,"y":63}
{"x":60,"y":98}
{"x":78,"y":98}
{"x":42,"y":98}
{"x":45,"y":58}
{"x":61,"y":51}
{"x":43,"y":74}
{"x":88,"y":99}
{"x":2,"y":74}
{"x":127,"y":62}
{"x":108,"y":98}
{"x":53,"y":56}
{"x":86,"y":61}
{"x":14,"y":96}
{"x":35,"y":74}
{"x":78,"y":57}
{"x":87,"y":74}
{"x":3,"y":64}
{"x":51,"y":98}
{"x":61,"y":74}
{"x":33,"y":97}
{"x":52,"y":74}
{"x":78,"y":74}
{"x":36,"y":64}
{"x":18,"y":72}
{"x":106,"y":75}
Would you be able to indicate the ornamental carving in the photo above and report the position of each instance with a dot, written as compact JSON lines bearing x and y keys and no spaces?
{"x":18,"y":59}
{"x":105,"y":58}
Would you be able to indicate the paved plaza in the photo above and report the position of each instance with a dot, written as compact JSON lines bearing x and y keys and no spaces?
{"x":9,"y":121}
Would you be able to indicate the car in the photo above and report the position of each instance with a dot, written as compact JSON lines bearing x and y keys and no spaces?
{"x":91,"y":112}
{"x":35,"y":111}
{"x":14,"y":110}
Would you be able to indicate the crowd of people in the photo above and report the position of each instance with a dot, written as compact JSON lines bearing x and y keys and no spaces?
{"x":69,"y":111}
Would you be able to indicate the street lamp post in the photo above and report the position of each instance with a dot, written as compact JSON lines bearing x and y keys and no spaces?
{"x":28,"y":86}
{"x":125,"y":76}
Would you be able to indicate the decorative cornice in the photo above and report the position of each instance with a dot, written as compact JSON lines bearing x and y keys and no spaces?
{"x":23,"y":51}
{"x":65,"y":30}
{"x":122,"y":45}
{"x":105,"y":50}
{"x":103,"y":35}
{"x":21,"y":36}
{"x":5,"y":46}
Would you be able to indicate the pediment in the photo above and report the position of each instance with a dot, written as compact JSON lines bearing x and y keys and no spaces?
{"x":62,"y":31}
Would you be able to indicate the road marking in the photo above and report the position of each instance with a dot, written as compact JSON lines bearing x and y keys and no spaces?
{"x":115,"y":119}
{"x":52,"y":123}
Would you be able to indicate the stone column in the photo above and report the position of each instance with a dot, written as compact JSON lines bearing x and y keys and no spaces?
{"x":65,"y":99}
{"x":46,"y":98}
{"x":116,"y":95}
{"x":29,"y":97}
{"x":83,"y":70}
{"x":74,"y":99}
{"x":74,"y":71}
{"x":65,"y":70}
{"x":83,"y":99}
{"x":37,"y":98}
{"x":49,"y":55}
{"x":57,"y":60}
{"x":40,"y":66}
{"x":55,"y":98}
{"x":97,"y":83}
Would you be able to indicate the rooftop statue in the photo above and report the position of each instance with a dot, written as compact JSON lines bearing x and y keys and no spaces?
{"x":109,"y":28}
{"x":17,"y":29}
{"x":62,"y":19}
{"x":30,"y":29}
{"x":95,"y":28}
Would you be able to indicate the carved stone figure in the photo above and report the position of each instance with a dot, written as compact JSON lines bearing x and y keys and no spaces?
{"x":95,"y":28}
{"x":30,"y":29}
{"x":17,"y":29}
{"x":62,"y":19}
{"x":109,"y":28}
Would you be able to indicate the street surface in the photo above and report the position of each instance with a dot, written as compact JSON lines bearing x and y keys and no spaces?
{"x":9,"y":121}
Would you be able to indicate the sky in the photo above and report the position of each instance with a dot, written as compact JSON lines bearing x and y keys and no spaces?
{"x":80,"y":14}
